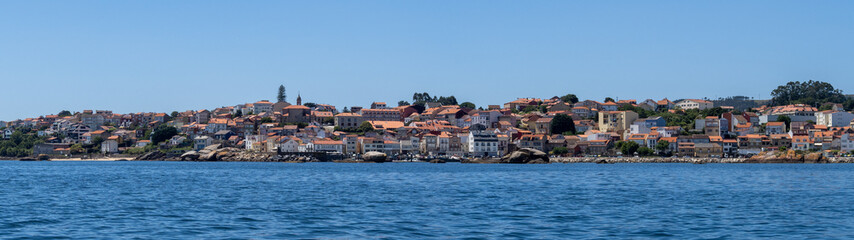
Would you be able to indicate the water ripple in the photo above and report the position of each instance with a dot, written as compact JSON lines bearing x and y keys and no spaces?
{"x":177,"y":200}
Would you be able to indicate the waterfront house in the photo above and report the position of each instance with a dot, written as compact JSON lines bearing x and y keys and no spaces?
{"x":483,"y":143}
{"x":202,"y":142}
{"x":846,"y":142}
{"x":143,"y":143}
{"x":801,"y":142}
{"x":780,"y":140}
{"x":705,"y":150}
{"x":111,"y":145}
{"x":535,"y":141}
{"x":686,"y":149}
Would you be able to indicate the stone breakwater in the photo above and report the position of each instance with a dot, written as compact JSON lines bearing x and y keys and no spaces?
{"x":227,"y":154}
{"x":692,"y":160}
{"x":523,"y":156}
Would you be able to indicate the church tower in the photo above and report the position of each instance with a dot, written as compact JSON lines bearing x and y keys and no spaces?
{"x":299,"y":99}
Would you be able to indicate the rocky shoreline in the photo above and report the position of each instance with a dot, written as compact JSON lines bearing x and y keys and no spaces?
{"x":522,"y":156}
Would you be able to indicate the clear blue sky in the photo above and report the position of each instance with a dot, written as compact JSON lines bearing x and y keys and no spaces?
{"x":132,"y":56}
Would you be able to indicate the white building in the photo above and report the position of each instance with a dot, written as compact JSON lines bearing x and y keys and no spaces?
{"x":289,"y":145}
{"x":262,"y":106}
{"x":327,"y":146}
{"x":109,"y":146}
{"x":483,"y":143}
{"x":833,"y":119}
{"x":694,"y":104}
{"x":846,"y":142}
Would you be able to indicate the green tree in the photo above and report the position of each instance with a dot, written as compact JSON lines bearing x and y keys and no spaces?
{"x":266,"y":120}
{"x":310,"y":104}
{"x":561,"y":123}
{"x":77,"y":148}
{"x":530,"y":108}
{"x":448,"y":100}
{"x":64,"y":113}
{"x":163,"y":133}
{"x":662,"y":146}
{"x":282,"y":96}
{"x":848,"y":104}
{"x":468,"y":105}
{"x":715,"y":111}
{"x":785,"y":119}
{"x":174,"y":114}
{"x":559,"y":151}
{"x":628,"y":147}
{"x":644,"y":151}
{"x":569,"y":98}
{"x":365,"y":127}
{"x":402,"y":103}
{"x":782,"y":148}
{"x":609,"y":99}
{"x":810,"y":92}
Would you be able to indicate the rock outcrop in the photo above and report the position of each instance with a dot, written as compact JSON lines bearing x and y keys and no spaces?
{"x":787,"y":157}
{"x":374,"y":157}
{"x":217,"y":152}
{"x":526,"y":155}
{"x":155,"y":156}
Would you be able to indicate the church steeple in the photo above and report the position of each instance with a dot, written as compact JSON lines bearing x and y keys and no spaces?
{"x":299,"y":99}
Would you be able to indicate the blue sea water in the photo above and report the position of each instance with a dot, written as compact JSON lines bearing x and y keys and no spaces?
{"x":203,"y":200}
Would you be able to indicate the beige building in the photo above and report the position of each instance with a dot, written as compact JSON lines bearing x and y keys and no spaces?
{"x":348,"y":120}
{"x":616,"y":121}
{"x":543,"y":126}
{"x":708,"y":150}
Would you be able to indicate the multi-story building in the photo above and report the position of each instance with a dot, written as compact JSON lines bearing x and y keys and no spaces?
{"x":616,"y":121}
{"x":381,"y":115}
{"x":712,"y":126}
{"x":535,"y":141}
{"x":708,"y":150}
{"x":348,"y":120}
{"x":698,"y":104}
{"x":483,"y":143}
{"x":796,"y":112}
{"x":262,"y":106}
{"x":775,"y":128}
{"x":834,"y":119}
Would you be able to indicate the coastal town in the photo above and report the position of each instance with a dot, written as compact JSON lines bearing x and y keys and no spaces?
{"x":439,"y":127}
